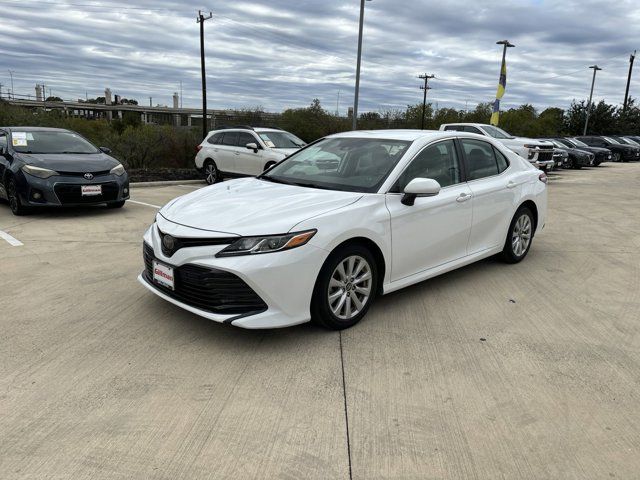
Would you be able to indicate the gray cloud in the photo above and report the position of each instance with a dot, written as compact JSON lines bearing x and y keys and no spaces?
{"x":281,"y":54}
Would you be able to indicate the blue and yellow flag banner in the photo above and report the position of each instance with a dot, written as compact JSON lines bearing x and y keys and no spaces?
{"x":502,"y":85}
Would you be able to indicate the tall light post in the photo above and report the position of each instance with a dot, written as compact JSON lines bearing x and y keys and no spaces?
{"x":593,"y":82}
{"x":201,"y":20}
{"x":13,"y":93}
{"x":354,"y":123}
{"x":502,"y":83}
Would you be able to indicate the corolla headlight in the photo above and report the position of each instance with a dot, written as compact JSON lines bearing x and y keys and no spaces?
{"x":39,"y":172}
{"x":118,"y":170}
{"x":267,"y":244}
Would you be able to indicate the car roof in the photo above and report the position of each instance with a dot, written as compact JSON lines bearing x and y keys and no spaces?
{"x":408,"y":135}
{"x":468,"y":123}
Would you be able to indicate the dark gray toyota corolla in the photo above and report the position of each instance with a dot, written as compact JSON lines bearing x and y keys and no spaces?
{"x":51,"y":167}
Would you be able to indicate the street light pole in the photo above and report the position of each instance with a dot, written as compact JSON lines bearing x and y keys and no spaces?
{"x":354,"y":123}
{"x":626,"y":93}
{"x":593,"y":82}
{"x":201,"y":20}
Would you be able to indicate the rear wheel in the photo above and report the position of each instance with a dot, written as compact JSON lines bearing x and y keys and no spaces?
{"x":14,"y":199}
{"x":345,"y":289}
{"x":519,"y":237}
{"x":211,"y":173}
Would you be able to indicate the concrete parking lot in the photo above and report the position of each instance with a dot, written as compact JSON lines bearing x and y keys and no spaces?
{"x":492,"y":371}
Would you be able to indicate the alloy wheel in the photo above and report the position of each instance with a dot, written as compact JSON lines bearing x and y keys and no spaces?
{"x":521,"y":236}
{"x":13,"y":196}
{"x":211,"y":173}
{"x":350,"y":287}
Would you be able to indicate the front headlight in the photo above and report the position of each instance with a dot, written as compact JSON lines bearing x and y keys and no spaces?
{"x":39,"y":172}
{"x":118,"y":170}
{"x":267,"y":244}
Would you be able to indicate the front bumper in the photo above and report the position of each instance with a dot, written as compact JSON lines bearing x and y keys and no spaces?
{"x":543,"y":163}
{"x":284,"y":281}
{"x":62,"y":190}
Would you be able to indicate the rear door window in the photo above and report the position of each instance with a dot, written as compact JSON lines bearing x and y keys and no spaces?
{"x":230,"y":139}
{"x":215,"y":139}
{"x":481,"y":159}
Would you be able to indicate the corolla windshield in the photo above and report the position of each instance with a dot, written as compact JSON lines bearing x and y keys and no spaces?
{"x":496,"y":132}
{"x":349,"y":164}
{"x":281,"y":140}
{"x":51,"y":142}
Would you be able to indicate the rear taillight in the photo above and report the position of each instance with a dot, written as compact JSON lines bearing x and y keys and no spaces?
{"x":198,"y":148}
{"x":543,"y":177}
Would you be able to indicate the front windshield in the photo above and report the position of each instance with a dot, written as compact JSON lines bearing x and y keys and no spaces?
{"x":611,"y":140}
{"x":349,"y":164}
{"x":578,"y":143}
{"x":48,"y":141}
{"x":281,"y":140}
{"x":496,"y":132}
{"x":631,"y":142}
{"x":565,"y":142}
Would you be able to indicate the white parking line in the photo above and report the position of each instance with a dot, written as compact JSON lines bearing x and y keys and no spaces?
{"x":145,"y":204}
{"x":12,"y":241}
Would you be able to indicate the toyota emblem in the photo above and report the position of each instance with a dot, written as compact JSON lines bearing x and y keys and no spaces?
{"x":88,"y":176}
{"x":168,"y":242}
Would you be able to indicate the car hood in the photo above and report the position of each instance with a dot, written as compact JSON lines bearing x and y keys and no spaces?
{"x":286,"y":151}
{"x":522,"y":141}
{"x":594,"y":149}
{"x":253,"y":207}
{"x":97,"y":162}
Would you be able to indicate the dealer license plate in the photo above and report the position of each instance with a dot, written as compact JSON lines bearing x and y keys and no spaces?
{"x":91,"y":190}
{"x":163,"y":274}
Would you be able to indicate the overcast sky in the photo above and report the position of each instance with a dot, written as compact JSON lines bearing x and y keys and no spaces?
{"x":283,"y":53}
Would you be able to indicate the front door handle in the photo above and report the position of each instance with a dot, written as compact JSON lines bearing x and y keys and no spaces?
{"x":237,"y":153}
{"x":512,"y":185}
{"x":463,"y":197}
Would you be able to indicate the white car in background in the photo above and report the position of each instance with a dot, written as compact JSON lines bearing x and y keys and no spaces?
{"x":539,"y":153}
{"x":243,"y":151}
{"x":350,"y":217}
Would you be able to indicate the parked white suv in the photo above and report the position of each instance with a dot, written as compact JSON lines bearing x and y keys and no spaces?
{"x":539,"y":153}
{"x":242,"y":151}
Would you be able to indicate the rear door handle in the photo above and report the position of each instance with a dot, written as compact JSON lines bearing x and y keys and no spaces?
{"x":463,"y":197}
{"x":512,"y":185}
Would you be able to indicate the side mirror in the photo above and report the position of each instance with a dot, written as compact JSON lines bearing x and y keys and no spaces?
{"x":106,"y":150}
{"x":420,"y":187}
{"x":3,"y":150}
{"x":252,"y":146}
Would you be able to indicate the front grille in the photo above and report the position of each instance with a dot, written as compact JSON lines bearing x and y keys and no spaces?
{"x":81,"y":174}
{"x":207,"y":289}
{"x":179,"y":243}
{"x":545,"y":155}
{"x":69,"y":193}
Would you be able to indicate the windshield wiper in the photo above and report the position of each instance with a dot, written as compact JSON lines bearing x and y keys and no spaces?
{"x":274,"y":180}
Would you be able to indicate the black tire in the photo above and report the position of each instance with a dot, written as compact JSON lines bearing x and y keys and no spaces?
{"x":511,"y":253}
{"x":14,"y":199}
{"x":321,"y":311}
{"x":269,"y":165}
{"x":570,"y":163}
{"x":576,"y":166}
{"x":119,"y":204}
{"x":211,"y":172}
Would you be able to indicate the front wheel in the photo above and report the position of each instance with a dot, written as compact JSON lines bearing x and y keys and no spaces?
{"x":269,"y":165}
{"x":345,"y":289}
{"x":119,"y":204}
{"x":14,"y":199}
{"x":519,"y":237}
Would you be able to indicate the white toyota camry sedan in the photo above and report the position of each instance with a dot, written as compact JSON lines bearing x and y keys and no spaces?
{"x":350,"y":217}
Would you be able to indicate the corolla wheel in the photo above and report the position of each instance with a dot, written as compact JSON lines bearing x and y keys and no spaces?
{"x":345,"y":289}
{"x":14,"y":199}
{"x":519,"y":237}
{"x":349,"y":287}
{"x":210,"y":173}
{"x":269,"y":165}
